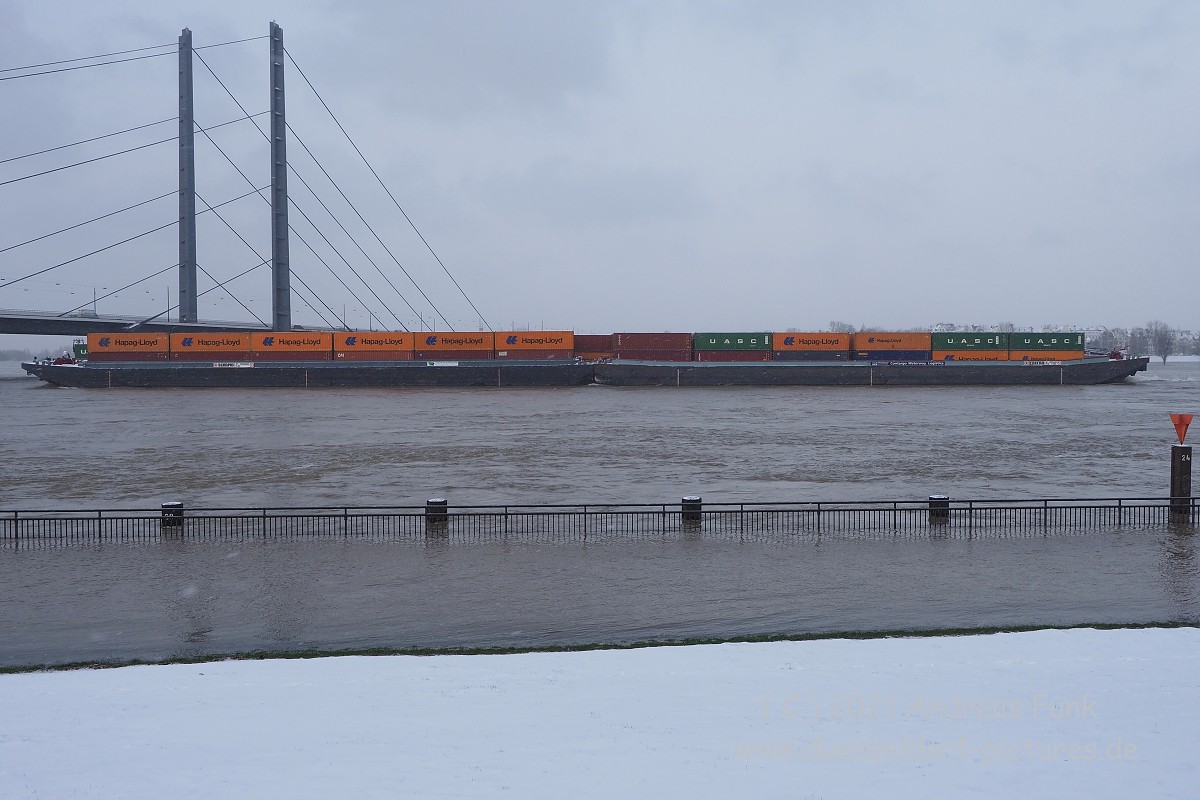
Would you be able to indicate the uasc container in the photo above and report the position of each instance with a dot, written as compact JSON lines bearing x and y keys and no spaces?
{"x":733,"y":355}
{"x":128,"y":346}
{"x":291,"y":346}
{"x":373,"y":346}
{"x":960,"y":340}
{"x":210,"y":347}
{"x":507,"y":341}
{"x":1046,"y":341}
{"x":810,"y":341}
{"x":731,"y":341}
{"x":970,"y":355}
{"x":875,"y":341}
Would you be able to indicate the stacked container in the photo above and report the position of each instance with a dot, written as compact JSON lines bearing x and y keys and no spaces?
{"x":961,"y":346}
{"x":739,"y":346}
{"x":652,"y":346}
{"x":535,"y":344}
{"x":593,"y":347}
{"x":291,"y":346}
{"x":210,"y":347}
{"x":886,"y":346}
{"x":1045,"y":346}
{"x":434,"y":346}
{"x":128,"y":346}
{"x":810,"y":346}
{"x":373,"y":346}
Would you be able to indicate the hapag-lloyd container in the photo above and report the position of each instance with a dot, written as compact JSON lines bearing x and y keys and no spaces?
{"x":210,"y":346}
{"x":507,"y":341}
{"x":537,"y":355}
{"x":624,"y":342}
{"x":128,"y":346}
{"x":970,"y":355}
{"x":1070,"y":341}
{"x":955,"y":341}
{"x":733,"y":355}
{"x":471,"y":341}
{"x":373,"y":346}
{"x":790,"y":340}
{"x":731,"y":341}
{"x":1044,"y":355}
{"x":876,"y":341}
{"x":291,"y":346}
{"x":810,"y":355}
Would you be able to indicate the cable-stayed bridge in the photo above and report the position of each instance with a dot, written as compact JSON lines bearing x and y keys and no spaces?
{"x":323,"y":254}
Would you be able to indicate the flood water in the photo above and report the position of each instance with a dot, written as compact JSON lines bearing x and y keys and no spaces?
{"x":91,"y":449}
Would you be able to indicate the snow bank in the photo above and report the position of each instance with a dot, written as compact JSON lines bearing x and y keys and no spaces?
{"x":1051,"y":713}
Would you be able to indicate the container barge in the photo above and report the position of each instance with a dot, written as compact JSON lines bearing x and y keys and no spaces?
{"x":311,"y":359}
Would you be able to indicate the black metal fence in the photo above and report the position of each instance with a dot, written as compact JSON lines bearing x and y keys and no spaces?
{"x":933,"y":518}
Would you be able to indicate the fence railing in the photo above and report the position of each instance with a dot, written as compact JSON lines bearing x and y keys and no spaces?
{"x":936,"y":517}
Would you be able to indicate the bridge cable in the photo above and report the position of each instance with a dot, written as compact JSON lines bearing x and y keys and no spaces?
{"x":85,"y":141}
{"x":260,"y":256}
{"x":174,"y":45}
{"x":118,"y":291}
{"x":88,"y":222}
{"x":389,"y":193}
{"x":369,"y":228}
{"x":111,"y":246}
{"x":234,"y":297}
{"x":119,"y":152}
{"x":301,"y":210}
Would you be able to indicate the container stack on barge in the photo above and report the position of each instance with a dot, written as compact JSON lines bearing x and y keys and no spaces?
{"x":562,"y":358}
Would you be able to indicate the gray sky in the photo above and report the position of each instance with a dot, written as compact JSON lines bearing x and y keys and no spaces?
{"x":610,"y":166}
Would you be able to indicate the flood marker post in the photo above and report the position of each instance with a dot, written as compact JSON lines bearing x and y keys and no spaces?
{"x":172,"y":514}
{"x":1181,"y":471}
{"x":939,"y":509}
{"x":437,"y":515}
{"x":691,"y":507}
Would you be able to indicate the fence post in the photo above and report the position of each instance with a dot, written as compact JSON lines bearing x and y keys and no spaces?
{"x":437,"y":517}
{"x":172,"y":515}
{"x":939,"y":509}
{"x":1181,"y":482}
{"x":691,"y":508}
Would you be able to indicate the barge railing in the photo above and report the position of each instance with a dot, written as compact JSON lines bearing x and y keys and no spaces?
{"x":937,"y":517}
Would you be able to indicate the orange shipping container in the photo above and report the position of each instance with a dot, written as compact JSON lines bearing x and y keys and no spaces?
{"x":434,"y":341}
{"x":811,"y":341}
{"x":128,"y":346}
{"x":970,"y":355}
{"x":210,"y":346}
{"x":870,"y":340}
{"x":1044,"y":355}
{"x":535,"y":340}
{"x":373,"y":341}
{"x":291,"y":345}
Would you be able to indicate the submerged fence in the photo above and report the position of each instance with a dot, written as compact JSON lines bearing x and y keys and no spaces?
{"x":937,"y":517}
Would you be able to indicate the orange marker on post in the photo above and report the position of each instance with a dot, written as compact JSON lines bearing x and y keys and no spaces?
{"x":1182,"y":504}
{"x":1181,"y":422}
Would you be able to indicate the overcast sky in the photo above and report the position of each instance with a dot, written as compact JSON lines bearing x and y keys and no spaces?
{"x":606,"y":166}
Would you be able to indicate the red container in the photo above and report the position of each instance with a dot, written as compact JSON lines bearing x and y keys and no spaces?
{"x":733,"y":355}
{"x":651,"y":341}
{"x":593,"y":343}
{"x":535,"y":355}
{"x":130,"y":355}
{"x":603,"y":355}
{"x":453,"y":355}
{"x":373,"y":355}
{"x":654,"y":355}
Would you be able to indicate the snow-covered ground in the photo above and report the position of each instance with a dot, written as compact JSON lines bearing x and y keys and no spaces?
{"x":1080,"y":713}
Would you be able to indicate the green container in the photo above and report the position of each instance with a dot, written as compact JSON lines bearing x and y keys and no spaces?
{"x":963,"y":340}
{"x":731,"y":341}
{"x":1070,"y":340}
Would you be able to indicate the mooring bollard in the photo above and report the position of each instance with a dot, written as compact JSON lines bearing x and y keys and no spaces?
{"x":172,"y":514}
{"x":437,"y":516}
{"x":1181,"y":482}
{"x":939,"y":509}
{"x":691,"y":508}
